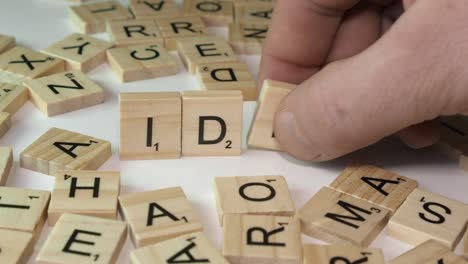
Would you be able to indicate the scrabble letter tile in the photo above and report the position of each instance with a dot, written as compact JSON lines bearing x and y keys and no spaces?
{"x":15,"y":246}
{"x":155,"y":216}
{"x":92,"y":193}
{"x":213,"y":12}
{"x":59,"y":149}
{"x":5,"y":123}
{"x":253,"y":195}
{"x":425,"y":216}
{"x":92,"y":18}
{"x":254,"y":13}
{"x":454,"y":138}
{"x":64,"y":92}
{"x":247,"y":38}
{"x":23,"y":210}
{"x":227,"y":76}
{"x":333,"y":216}
{"x":154,"y":8}
{"x":190,"y":248}
{"x":83,"y":239}
{"x":261,"y":133}
{"x":212,"y":123}
{"x":81,"y":52}
{"x":150,"y":125}
{"x":6,"y":43}
{"x":251,"y":239}
{"x":134,"y":32}
{"x":429,"y":252}
{"x":142,"y":62}
{"x":344,"y":253}
{"x":376,"y":185}
{"x":6,"y":161}
{"x":175,"y":28}
{"x":195,"y":51}
{"x":12,"y":97}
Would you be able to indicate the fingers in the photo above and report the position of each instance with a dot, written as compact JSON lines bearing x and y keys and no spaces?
{"x":421,"y":135}
{"x":410,"y":75}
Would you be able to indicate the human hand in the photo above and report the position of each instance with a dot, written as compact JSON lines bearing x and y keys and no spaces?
{"x":357,"y":84}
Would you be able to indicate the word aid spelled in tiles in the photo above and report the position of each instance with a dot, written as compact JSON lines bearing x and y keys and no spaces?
{"x":247,"y":38}
{"x":92,"y":18}
{"x":154,"y":8}
{"x":333,"y":217}
{"x":134,"y":32}
{"x":155,"y":216}
{"x":212,"y":123}
{"x":429,"y":252}
{"x":180,"y":27}
{"x":376,"y":185}
{"x":23,"y":210}
{"x":190,"y":248}
{"x":92,"y":193}
{"x":251,"y":239}
{"x":261,"y":133}
{"x":454,"y":138}
{"x":6,"y":43}
{"x":83,"y":239}
{"x":15,"y":246}
{"x":150,"y":125}
{"x":341,"y":253}
{"x":59,"y":149}
{"x":213,"y":12}
{"x":6,"y":161}
{"x":425,"y":215}
{"x":227,"y":76}
{"x":267,"y":195}
{"x":142,"y":62}
{"x":64,"y":92}
{"x":81,"y":52}
{"x":12,"y":97}
{"x":195,"y":51}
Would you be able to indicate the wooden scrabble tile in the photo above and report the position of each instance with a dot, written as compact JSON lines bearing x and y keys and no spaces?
{"x":15,"y":246}
{"x":12,"y":97}
{"x":176,"y":28}
{"x":376,"y":185}
{"x":6,"y":161}
{"x":28,"y":64}
{"x":150,"y":125}
{"x":454,"y":138}
{"x":429,"y":252}
{"x":81,"y":52}
{"x":250,"y":239}
{"x":59,"y":149}
{"x":228,"y":76}
{"x":92,"y":18}
{"x":210,"y":49}
{"x":265,"y":195}
{"x":345,"y":253}
{"x":5,"y":123}
{"x":155,"y":216}
{"x":154,"y":8}
{"x":6,"y":43}
{"x":425,"y":216}
{"x":83,"y":239}
{"x":247,"y":38}
{"x":212,"y":123}
{"x":256,"y":13}
{"x":23,"y":210}
{"x":64,"y":92}
{"x":261,"y":134}
{"x":142,"y":62}
{"x":333,"y":217}
{"x":92,"y":193}
{"x":135,"y":32}
{"x":213,"y":12}
{"x":189,"y":248}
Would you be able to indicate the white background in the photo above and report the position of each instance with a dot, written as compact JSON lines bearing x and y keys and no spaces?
{"x":39,"y":23}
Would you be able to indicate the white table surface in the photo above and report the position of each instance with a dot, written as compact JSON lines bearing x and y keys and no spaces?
{"x":38,"y":23}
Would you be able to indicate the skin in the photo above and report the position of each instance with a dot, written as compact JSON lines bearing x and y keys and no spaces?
{"x":366,"y":70}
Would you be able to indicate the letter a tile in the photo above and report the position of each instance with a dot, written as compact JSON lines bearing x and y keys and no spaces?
{"x":190,"y":248}
{"x":425,"y":215}
{"x":427,"y":253}
{"x":212,"y":123}
{"x":15,"y":246}
{"x":92,"y":193}
{"x":155,"y":216}
{"x":83,"y":239}
{"x":344,"y":253}
{"x":252,"y":239}
{"x":333,"y":217}
{"x":64,"y":92}
{"x":59,"y":150}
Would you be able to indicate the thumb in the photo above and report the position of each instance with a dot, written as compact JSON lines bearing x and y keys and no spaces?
{"x":415,"y":72}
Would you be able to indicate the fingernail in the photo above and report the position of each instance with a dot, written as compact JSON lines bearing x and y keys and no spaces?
{"x":293,"y":138}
